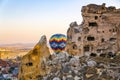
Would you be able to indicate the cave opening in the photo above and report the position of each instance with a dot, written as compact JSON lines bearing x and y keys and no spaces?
{"x":29,"y":64}
{"x":96,"y":17}
{"x":90,"y":38}
{"x":112,"y":39}
{"x":79,"y":38}
{"x":93,"y":24}
{"x":93,"y":54}
{"x":102,"y":40}
{"x":86,"y":48}
{"x":74,"y":46}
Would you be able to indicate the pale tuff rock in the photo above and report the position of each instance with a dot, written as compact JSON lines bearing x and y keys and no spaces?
{"x":77,"y":78}
{"x":91,"y":63}
{"x":99,"y":32}
{"x":56,"y":78}
{"x":33,"y":64}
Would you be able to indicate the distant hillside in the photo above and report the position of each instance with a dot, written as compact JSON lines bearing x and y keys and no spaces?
{"x":14,"y":50}
{"x":18,"y":45}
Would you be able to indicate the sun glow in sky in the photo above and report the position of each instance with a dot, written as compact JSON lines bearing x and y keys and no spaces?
{"x":25,"y":21}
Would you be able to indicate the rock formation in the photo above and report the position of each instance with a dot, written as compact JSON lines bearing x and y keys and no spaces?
{"x":99,"y":32}
{"x":33,"y":64}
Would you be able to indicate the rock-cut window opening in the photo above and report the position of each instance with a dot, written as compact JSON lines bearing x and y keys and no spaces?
{"x":102,"y":40}
{"x":86,"y":48}
{"x":29,"y":64}
{"x":114,"y":30}
{"x":74,"y":46}
{"x":93,"y":54}
{"x":96,"y":17}
{"x":93,"y":24}
{"x":110,"y":30}
{"x":112,"y":39}
{"x":79,"y":38}
{"x":90,"y":38}
{"x":99,"y":50}
{"x":102,"y":55}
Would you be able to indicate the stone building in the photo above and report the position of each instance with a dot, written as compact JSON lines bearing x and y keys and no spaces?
{"x":99,"y":32}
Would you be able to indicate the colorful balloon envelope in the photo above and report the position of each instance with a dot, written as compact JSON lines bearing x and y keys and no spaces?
{"x":58,"y":42}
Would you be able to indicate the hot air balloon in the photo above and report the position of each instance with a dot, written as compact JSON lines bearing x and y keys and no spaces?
{"x":58,"y":42}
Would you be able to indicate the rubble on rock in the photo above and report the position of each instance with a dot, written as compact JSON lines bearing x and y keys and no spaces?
{"x":82,"y":68}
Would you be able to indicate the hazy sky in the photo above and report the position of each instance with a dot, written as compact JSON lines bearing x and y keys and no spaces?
{"x":25,"y":21}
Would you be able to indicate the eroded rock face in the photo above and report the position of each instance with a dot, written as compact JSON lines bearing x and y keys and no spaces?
{"x":33,"y":64}
{"x":118,"y":35}
{"x":99,"y":32}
